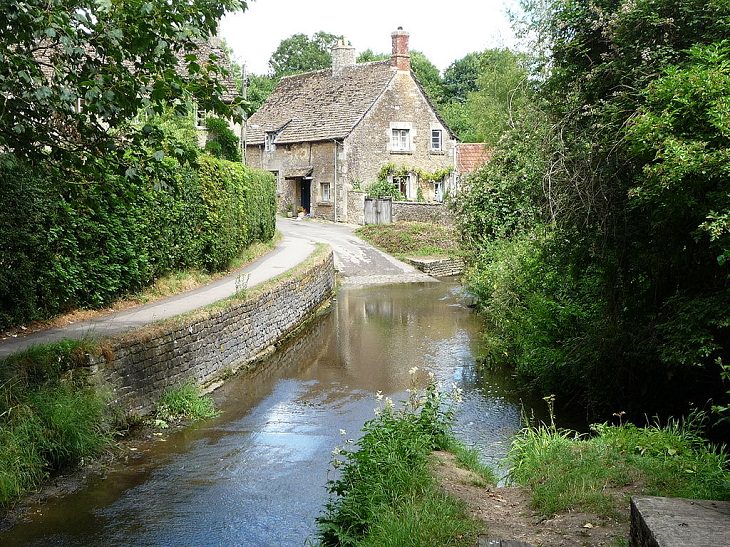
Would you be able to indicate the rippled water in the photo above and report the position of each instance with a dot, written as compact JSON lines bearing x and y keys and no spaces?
{"x":256,"y":474}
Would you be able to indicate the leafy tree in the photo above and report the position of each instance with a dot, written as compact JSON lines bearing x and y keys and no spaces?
{"x":112,"y":59}
{"x":300,"y":53}
{"x":460,"y":78}
{"x":259,"y":89}
{"x":487,"y":91}
{"x":428,"y":75}
{"x":617,"y":290}
{"x":369,"y":55}
{"x":222,"y":142}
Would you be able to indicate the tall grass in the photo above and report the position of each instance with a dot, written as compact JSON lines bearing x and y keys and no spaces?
{"x":385,"y":494}
{"x":567,"y":471}
{"x":184,"y":402}
{"x":49,"y":419}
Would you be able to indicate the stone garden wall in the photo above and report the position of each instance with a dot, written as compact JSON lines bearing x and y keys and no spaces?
{"x":212,"y":343}
{"x":434,"y":213}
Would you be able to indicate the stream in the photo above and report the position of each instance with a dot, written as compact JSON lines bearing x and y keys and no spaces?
{"x":256,"y":474}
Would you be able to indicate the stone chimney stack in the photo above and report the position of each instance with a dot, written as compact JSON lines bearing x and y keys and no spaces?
{"x":343,"y":55}
{"x":401,"y":58}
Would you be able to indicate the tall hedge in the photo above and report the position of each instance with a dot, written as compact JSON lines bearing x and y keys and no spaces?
{"x":68,"y":243}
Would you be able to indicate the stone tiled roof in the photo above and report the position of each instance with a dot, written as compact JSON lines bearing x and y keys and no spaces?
{"x":471,"y":156}
{"x":318,"y":106}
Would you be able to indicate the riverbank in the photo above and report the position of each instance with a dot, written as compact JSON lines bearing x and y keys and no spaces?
{"x":63,"y":403}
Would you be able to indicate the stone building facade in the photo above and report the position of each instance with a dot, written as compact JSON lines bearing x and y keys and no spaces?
{"x":328,"y":134}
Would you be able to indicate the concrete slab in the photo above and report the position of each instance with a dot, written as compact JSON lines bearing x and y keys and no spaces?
{"x":678,"y":522}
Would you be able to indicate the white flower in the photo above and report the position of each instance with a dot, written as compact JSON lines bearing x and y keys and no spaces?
{"x":343,"y":432}
{"x":413,"y":370}
{"x":336,"y":451}
{"x":379,"y":395}
{"x":389,"y":403}
{"x":377,"y":411}
{"x":431,"y":376}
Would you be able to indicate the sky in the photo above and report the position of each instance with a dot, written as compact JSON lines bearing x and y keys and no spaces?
{"x":444,"y":31}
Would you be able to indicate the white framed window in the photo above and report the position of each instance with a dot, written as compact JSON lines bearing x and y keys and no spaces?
{"x":269,"y":141}
{"x":438,"y":190}
{"x":325,"y":192}
{"x":404,"y":184}
{"x":437,"y":140}
{"x":200,"y":116}
{"x":400,"y":140}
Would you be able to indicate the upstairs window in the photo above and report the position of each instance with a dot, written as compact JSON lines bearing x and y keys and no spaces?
{"x":269,"y":141}
{"x":436,"y":140}
{"x":200,"y":116}
{"x":400,"y":140}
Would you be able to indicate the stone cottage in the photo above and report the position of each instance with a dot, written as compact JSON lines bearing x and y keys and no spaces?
{"x":328,"y":134}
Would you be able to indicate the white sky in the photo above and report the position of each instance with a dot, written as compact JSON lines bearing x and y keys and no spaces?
{"x":444,"y":31}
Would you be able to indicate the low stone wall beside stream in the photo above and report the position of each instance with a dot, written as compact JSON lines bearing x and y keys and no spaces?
{"x":210,"y":344}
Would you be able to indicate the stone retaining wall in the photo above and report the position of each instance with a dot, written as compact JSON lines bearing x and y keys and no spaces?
{"x":439,"y":267}
{"x":212,"y":343}
{"x":435,"y":213}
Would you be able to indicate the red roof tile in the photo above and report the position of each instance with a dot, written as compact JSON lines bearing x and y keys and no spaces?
{"x":471,"y":156}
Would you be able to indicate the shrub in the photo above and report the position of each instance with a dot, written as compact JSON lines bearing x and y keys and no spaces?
{"x":385,"y":494}
{"x":67,"y":244}
{"x":222,"y":141}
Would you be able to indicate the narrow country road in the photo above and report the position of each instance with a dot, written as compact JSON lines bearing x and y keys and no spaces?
{"x":357,"y":261}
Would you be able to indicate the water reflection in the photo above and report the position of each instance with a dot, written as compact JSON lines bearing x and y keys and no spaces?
{"x":256,"y":474}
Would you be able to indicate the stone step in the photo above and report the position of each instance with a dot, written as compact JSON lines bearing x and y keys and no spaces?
{"x":675,"y":522}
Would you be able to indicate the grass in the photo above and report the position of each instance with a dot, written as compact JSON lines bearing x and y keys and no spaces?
{"x":185,"y":280}
{"x":468,"y":458}
{"x":184,"y":402}
{"x":567,"y":471}
{"x":49,"y":419}
{"x":404,"y":239}
{"x":386,"y":494}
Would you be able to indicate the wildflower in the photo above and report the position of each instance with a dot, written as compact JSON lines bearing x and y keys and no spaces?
{"x":389,"y":403}
{"x":377,"y":411}
{"x":343,"y":432}
{"x":413,"y":370}
{"x":431,"y":376}
{"x":379,"y":395}
{"x":336,"y":451}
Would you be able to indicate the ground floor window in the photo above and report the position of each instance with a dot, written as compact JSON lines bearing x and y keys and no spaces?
{"x":438,"y":190}
{"x":404,"y":184}
{"x":325,"y":192}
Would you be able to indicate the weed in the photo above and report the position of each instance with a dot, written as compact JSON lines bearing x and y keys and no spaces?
{"x":565,"y":470}
{"x":412,"y":239}
{"x":184,"y":402}
{"x":385,"y":494}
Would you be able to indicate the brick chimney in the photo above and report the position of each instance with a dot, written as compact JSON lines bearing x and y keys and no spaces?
{"x":401,"y":58}
{"x":343,"y":55}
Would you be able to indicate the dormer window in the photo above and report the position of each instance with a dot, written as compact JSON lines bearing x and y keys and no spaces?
{"x":269,"y":141}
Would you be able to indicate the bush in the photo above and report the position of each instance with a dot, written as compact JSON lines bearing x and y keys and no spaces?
{"x":566,"y":471}
{"x":67,"y":243}
{"x":49,"y":419}
{"x":222,"y":141}
{"x":385,"y":494}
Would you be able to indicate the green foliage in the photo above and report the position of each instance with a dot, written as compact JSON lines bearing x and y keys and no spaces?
{"x":566,"y":471}
{"x":184,"y":403}
{"x":259,"y":89}
{"x":598,"y":241}
{"x":382,"y":188}
{"x":368,"y":56}
{"x":411,"y":239}
{"x":428,"y":76}
{"x":49,"y":419}
{"x":385,"y":494}
{"x":486,"y":93}
{"x":119,"y":58}
{"x":222,"y":142}
{"x":66,"y":246}
{"x":300,"y":53}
